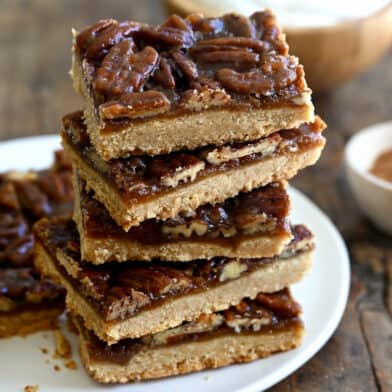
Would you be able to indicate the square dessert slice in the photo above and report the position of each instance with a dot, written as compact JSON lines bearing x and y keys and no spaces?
{"x":129,"y":300}
{"x":245,"y":332}
{"x":138,"y":188}
{"x":27,"y":302}
{"x":187,"y":83}
{"x":251,"y":225}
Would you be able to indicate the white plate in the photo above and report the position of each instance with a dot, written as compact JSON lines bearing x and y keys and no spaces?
{"x":323,"y":295}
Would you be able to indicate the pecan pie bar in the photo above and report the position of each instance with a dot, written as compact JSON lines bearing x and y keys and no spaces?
{"x":27,"y":302}
{"x":138,"y":188}
{"x":253,"y":224}
{"x":129,"y":300}
{"x":250,"y":330}
{"x":187,"y":83}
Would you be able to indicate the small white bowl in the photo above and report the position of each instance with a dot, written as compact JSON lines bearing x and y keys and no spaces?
{"x":373,"y":194}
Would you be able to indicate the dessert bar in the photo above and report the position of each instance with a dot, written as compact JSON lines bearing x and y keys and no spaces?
{"x":245,"y":332}
{"x":135,"y":189}
{"x":253,"y":224}
{"x":187,"y":83}
{"x":27,"y":302}
{"x":129,"y":300}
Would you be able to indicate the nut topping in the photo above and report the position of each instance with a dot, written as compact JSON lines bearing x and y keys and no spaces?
{"x":123,"y":71}
{"x":235,"y":53}
{"x":136,"y":105}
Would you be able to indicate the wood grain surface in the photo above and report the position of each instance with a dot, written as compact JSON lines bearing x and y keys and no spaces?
{"x":35,"y":91}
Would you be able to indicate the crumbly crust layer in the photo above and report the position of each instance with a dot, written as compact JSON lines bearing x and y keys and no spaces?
{"x":189,"y":357}
{"x":185,"y":78}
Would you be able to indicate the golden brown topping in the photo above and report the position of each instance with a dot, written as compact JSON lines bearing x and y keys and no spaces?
{"x":242,"y":55}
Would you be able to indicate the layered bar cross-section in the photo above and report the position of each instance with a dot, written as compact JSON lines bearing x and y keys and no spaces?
{"x":251,"y":225}
{"x":135,"y":189}
{"x":187,"y":83}
{"x":129,"y":300}
{"x":247,"y":331}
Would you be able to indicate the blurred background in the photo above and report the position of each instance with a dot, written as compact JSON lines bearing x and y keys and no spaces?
{"x":345,"y":45}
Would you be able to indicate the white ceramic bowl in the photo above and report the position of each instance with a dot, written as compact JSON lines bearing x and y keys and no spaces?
{"x":373,"y":194}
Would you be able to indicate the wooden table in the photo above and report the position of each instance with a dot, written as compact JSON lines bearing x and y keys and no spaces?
{"x":35,"y":91}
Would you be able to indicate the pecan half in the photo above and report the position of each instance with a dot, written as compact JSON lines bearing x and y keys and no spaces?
{"x":136,"y":105}
{"x":267,"y":30}
{"x":163,"y":74}
{"x":276,"y":73}
{"x":204,"y":25}
{"x":239,"y":59}
{"x":175,"y":21}
{"x":97,"y":40}
{"x":33,"y":199}
{"x":164,"y":37}
{"x":186,"y":65}
{"x":124,"y":71}
{"x":238,"y":25}
{"x":229,"y":43}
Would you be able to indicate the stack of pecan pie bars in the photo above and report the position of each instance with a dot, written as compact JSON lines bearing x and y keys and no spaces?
{"x":180,"y":251}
